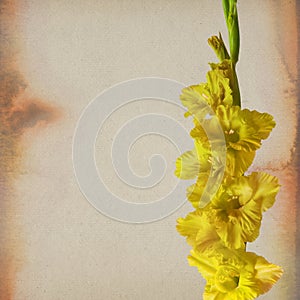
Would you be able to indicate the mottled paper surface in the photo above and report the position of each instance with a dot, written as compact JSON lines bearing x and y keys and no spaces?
{"x":56,"y":56}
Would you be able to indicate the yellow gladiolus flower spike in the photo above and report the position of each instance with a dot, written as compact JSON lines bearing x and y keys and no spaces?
{"x":228,"y":204}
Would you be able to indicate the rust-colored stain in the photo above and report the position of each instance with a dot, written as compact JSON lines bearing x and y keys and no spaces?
{"x":19,"y":111}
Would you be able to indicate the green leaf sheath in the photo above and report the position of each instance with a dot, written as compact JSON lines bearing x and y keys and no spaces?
{"x":235,"y":89}
{"x":231,"y":17}
{"x":226,"y":8}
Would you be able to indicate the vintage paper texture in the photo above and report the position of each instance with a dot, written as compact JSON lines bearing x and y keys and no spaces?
{"x":56,"y":56}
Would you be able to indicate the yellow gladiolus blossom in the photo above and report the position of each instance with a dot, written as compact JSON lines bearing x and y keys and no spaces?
{"x":234,"y":274}
{"x":234,"y":214}
{"x":200,"y":232}
{"x":238,"y":206}
{"x":200,"y":163}
{"x":244,"y":129}
{"x":199,"y":99}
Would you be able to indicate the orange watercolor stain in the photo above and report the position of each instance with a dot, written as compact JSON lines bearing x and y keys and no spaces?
{"x":29,"y":113}
{"x":287,"y":197}
{"x":20,"y":111}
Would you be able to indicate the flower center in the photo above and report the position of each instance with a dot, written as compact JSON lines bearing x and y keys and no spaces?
{"x":232,"y":202}
{"x":232,"y":136}
{"x":227,"y":279}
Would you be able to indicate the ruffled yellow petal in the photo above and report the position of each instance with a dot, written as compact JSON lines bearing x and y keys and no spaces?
{"x":267,"y":274}
{"x":204,"y":154}
{"x":250,"y":221}
{"x":239,"y":205}
{"x":207,"y":268}
{"x":198,"y":230}
{"x":193,"y":98}
{"x":210,"y":294}
{"x":263,"y":123}
{"x":238,"y":162}
{"x":195,"y":191}
{"x":267,"y":187}
{"x":231,"y":234}
{"x":210,"y":132}
{"x":187,"y":165}
{"x":244,"y":129}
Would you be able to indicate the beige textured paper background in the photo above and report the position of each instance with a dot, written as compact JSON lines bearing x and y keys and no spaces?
{"x":56,"y":245}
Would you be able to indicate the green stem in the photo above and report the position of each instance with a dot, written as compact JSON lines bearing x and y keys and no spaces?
{"x":231,"y":17}
{"x":232,"y":22}
{"x":235,"y":88}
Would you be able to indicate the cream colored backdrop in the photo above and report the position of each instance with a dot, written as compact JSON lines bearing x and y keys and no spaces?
{"x":69,"y":52}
